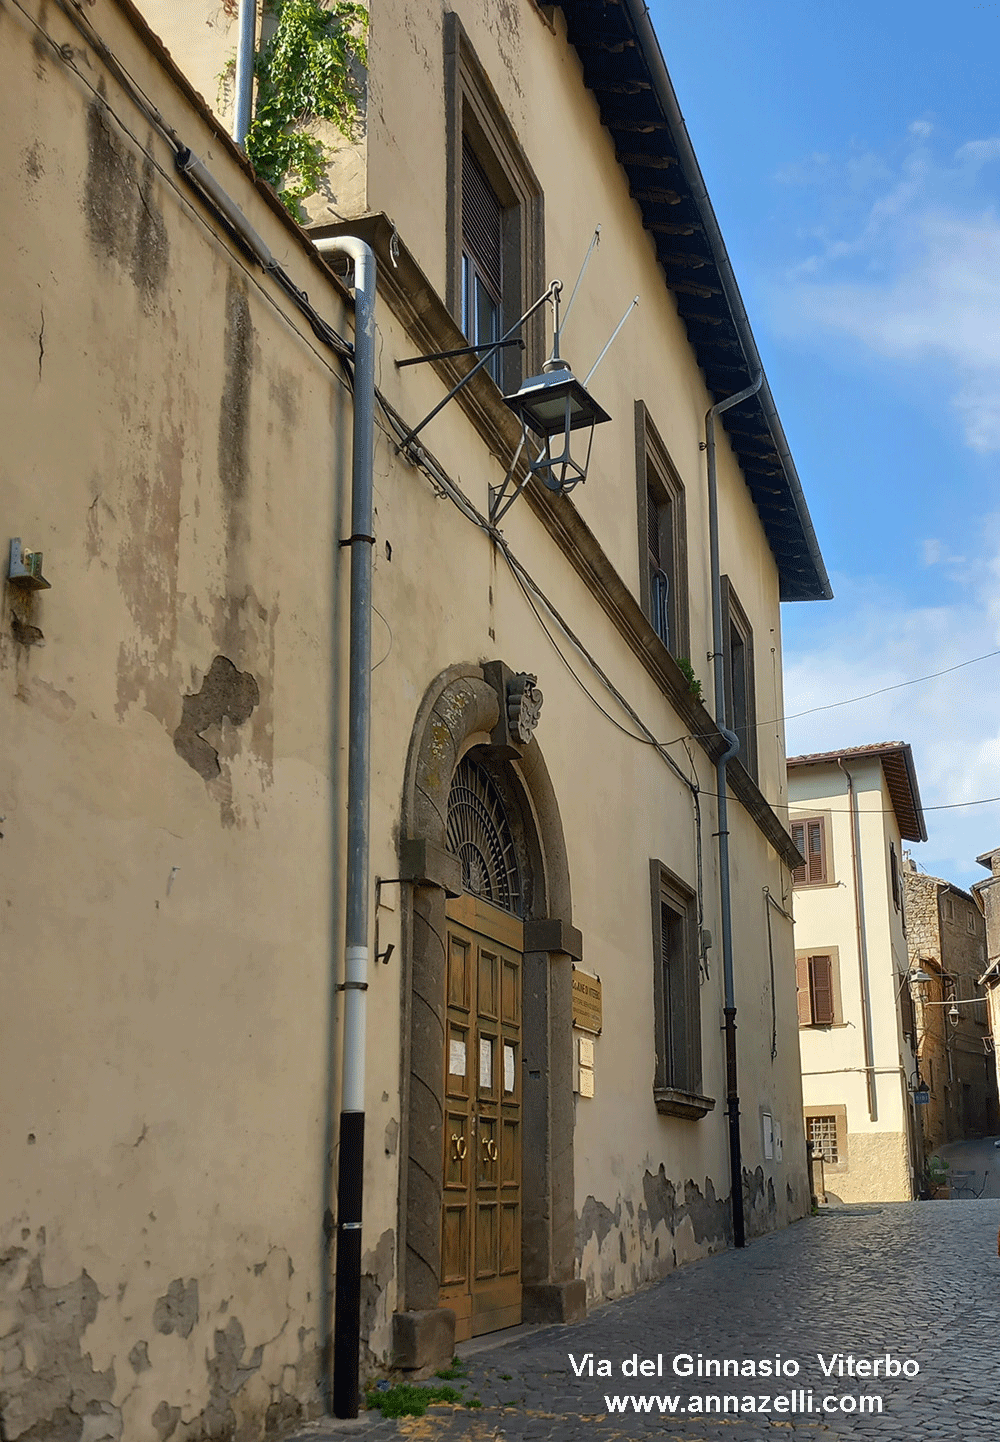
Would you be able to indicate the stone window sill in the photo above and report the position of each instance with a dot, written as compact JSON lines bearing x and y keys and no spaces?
{"x":670,"y":1102}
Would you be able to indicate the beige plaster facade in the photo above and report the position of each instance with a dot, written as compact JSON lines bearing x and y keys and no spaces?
{"x":858,"y":1062}
{"x":178,"y":446}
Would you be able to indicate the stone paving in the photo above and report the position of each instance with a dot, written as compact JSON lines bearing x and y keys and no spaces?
{"x":919,"y":1281}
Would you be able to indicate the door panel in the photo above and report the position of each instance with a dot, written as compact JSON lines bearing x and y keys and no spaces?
{"x":481,"y":1218}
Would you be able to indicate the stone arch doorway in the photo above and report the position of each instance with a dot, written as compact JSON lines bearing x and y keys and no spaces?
{"x":468,"y":712}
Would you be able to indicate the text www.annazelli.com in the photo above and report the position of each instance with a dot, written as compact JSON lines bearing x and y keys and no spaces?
{"x":801,"y":1400}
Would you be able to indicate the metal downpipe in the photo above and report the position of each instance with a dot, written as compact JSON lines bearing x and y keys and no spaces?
{"x":246,"y":44}
{"x":350,"y":1162}
{"x":725,"y":897}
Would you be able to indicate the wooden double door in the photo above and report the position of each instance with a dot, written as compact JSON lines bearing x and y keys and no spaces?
{"x":481,"y":1209}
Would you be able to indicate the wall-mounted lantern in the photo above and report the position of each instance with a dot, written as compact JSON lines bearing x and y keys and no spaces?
{"x":552,"y":406}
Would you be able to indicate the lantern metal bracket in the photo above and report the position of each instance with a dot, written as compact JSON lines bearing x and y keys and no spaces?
{"x":406,"y":443}
{"x":418,"y":360}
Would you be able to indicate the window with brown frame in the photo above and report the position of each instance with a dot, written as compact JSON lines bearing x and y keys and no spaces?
{"x":493,"y":223}
{"x":741,"y":705}
{"x":816,"y":989}
{"x":676,"y":997}
{"x":662,"y":537}
{"x":894,"y":876}
{"x":822,"y":1133}
{"x":809,"y":836}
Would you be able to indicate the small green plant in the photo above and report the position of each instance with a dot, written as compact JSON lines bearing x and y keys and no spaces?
{"x":505,"y":1377}
{"x":694,"y":685}
{"x":473,"y":1402}
{"x":407,"y":1400}
{"x":306,"y":71}
{"x":937,"y":1172}
{"x":449,"y":1374}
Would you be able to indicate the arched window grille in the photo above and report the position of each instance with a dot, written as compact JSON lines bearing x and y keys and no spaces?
{"x":480,"y":835}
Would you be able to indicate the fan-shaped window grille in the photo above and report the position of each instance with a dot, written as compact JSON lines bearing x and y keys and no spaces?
{"x":479,"y":834}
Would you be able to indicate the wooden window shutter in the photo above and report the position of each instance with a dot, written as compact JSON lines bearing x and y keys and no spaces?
{"x":821,"y":986}
{"x":815,"y":853}
{"x":482,"y":220}
{"x":653,"y":526}
{"x":909,"y":1014}
{"x":802,"y":990}
{"x":798,"y":836}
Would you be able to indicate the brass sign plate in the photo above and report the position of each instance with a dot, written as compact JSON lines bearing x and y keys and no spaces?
{"x":588,"y":1014}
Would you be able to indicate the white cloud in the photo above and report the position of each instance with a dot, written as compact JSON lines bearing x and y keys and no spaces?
{"x":873,"y":638}
{"x":922,"y":128}
{"x":913,"y":274}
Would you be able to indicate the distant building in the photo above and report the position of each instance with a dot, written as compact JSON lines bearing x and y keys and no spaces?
{"x":987,"y":894}
{"x":850,"y":812}
{"x":946,"y":935}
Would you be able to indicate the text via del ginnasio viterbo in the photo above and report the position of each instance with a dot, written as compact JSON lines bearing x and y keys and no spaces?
{"x":758,"y":1385}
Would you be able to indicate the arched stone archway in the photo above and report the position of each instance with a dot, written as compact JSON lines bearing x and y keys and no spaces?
{"x":465,"y":708}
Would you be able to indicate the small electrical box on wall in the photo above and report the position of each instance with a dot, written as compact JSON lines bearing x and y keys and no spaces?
{"x":25,"y":568}
{"x":585,"y":1066}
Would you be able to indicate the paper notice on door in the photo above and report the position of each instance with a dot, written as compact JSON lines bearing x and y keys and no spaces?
{"x":486,"y":1063}
{"x":508,"y":1068}
{"x":456,"y":1057}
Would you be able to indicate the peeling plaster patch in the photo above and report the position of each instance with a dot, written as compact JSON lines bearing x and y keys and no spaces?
{"x":139,"y":1357}
{"x":596,"y":1220}
{"x":177,"y":1311}
{"x":225,"y":694}
{"x":52,"y":1392}
{"x":24,"y":633}
{"x":391,"y":1137}
{"x":660,"y":1197}
{"x":620,"y":1250}
{"x":228,"y":1371}
{"x":760,"y":1204}
{"x":710,"y":1215}
{"x":165,"y":1420}
{"x":377,"y":1271}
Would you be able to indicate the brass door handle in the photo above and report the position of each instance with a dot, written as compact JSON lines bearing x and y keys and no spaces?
{"x":490,"y":1149}
{"x":458,"y":1147}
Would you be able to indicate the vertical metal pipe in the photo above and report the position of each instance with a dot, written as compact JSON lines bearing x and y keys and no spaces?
{"x":350,"y":1162}
{"x":246,"y":44}
{"x":725,"y":898}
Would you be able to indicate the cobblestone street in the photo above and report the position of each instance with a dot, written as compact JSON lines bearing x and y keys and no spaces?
{"x":919,"y":1281}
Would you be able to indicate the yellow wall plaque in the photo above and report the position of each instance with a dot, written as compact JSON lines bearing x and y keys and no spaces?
{"x":588,"y":1013}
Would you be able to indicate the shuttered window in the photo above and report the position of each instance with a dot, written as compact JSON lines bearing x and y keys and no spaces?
{"x":676,"y":997}
{"x":815,"y":990}
{"x":660,"y":538}
{"x":482,"y":258}
{"x":810,"y":837}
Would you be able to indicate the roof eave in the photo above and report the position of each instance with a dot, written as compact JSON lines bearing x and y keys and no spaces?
{"x":789,"y":529}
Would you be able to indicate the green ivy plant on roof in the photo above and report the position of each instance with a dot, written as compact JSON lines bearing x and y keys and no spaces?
{"x":310,"y":69}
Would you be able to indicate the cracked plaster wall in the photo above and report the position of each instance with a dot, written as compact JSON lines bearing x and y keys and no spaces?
{"x":178,"y":454}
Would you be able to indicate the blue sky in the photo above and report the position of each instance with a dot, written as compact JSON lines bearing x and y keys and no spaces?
{"x":852,"y":153}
